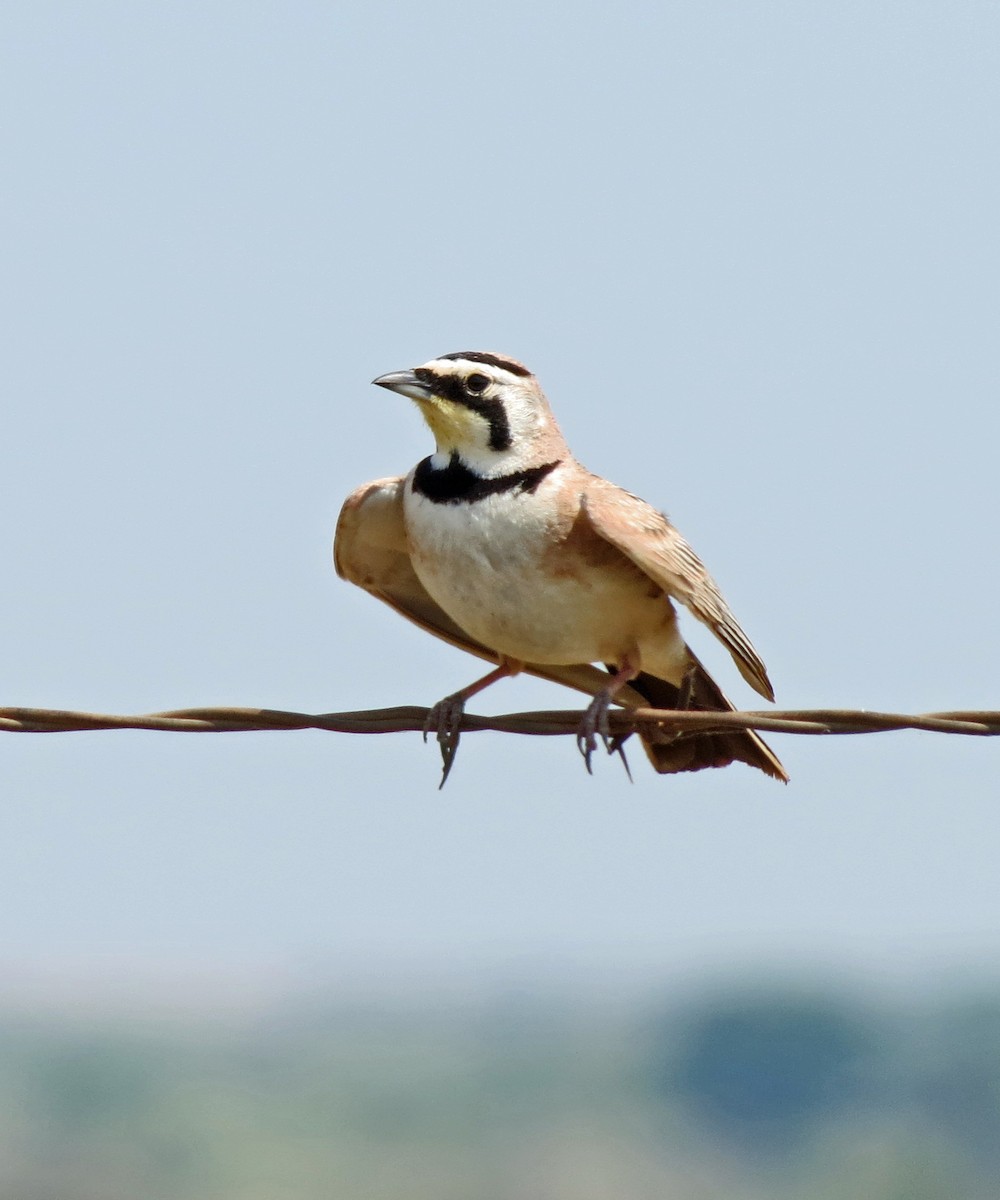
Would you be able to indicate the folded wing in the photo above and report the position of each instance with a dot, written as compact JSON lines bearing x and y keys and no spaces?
{"x":654,"y":545}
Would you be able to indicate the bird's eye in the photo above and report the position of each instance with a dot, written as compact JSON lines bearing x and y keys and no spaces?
{"x":476,"y":384}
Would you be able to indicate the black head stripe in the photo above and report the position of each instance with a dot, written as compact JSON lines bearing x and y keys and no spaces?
{"x":452,"y":387}
{"x":490,"y":360}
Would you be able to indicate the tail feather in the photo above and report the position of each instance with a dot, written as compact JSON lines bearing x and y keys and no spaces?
{"x":697,"y":751}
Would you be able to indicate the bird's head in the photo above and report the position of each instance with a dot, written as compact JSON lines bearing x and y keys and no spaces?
{"x":485,"y":408}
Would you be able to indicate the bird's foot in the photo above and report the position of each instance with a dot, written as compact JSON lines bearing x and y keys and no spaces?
{"x":445,"y":720}
{"x":594,"y":724}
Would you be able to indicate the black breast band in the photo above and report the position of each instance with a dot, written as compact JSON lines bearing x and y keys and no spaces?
{"x":456,"y":484}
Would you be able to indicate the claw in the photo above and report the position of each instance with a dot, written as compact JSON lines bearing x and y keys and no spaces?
{"x":445,"y":719}
{"x":618,"y":747}
{"x":586,"y":743}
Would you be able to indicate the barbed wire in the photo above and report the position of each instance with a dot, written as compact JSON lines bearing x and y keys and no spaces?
{"x":549,"y":723}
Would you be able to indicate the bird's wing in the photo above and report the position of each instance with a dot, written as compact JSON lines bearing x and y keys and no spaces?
{"x":370,"y":549}
{"x":654,"y":545}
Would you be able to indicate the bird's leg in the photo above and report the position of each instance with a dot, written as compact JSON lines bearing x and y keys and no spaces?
{"x":684,"y":701}
{"x":685,"y":693}
{"x":595,"y":719}
{"x":445,"y":718}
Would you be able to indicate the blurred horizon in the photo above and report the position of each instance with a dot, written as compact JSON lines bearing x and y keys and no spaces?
{"x":194,"y":989}
{"x":738,"y":1092}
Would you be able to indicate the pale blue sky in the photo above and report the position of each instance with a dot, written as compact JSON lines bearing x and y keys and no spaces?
{"x":753,"y":254}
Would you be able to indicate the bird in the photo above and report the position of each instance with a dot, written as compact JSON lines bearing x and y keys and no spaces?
{"x":502,"y":544}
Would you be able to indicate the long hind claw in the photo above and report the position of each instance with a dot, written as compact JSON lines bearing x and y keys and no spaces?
{"x":617,"y":746}
{"x":445,"y":720}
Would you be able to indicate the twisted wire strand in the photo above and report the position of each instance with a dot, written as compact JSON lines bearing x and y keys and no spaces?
{"x":547,"y":723}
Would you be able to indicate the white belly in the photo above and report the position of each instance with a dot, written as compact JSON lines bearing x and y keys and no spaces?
{"x":489,"y":565}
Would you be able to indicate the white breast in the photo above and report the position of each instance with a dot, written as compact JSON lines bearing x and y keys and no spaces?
{"x":489,"y":565}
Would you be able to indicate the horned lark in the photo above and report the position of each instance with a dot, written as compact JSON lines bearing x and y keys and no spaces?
{"x":503,"y":544}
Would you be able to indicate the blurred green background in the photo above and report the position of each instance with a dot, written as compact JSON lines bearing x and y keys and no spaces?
{"x":738,"y":1093}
